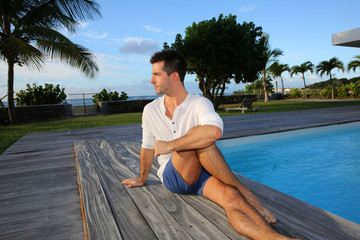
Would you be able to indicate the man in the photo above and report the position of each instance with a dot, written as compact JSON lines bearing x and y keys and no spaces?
{"x":181,"y":129}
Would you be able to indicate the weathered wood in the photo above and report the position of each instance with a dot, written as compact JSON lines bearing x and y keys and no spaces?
{"x":100,"y":221}
{"x":131,"y":224}
{"x":186,"y":215}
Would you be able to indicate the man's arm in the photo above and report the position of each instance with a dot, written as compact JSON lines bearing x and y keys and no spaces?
{"x":146,"y":160}
{"x":196,"y":138}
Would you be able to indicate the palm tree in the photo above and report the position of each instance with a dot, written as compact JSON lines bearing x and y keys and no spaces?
{"x":29,"y":34}
{"x":303,"y":68}
{"x":270,"y":58}
{"x":277,"y":69}
{"x":325,"y":67}
{"x":354,"y":64}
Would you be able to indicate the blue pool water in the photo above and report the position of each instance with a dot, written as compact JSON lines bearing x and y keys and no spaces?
{"x":320,"y":166}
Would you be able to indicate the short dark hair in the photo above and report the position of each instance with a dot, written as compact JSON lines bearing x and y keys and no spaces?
{"x":174,"y":62}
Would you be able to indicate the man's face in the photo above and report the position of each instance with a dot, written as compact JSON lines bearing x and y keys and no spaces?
{"x":159,"y":78}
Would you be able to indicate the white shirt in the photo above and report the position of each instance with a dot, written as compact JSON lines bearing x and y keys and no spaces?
{"x":193,"y":111}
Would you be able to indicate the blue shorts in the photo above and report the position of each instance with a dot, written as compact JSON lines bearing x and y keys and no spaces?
{"x":174,"y":182}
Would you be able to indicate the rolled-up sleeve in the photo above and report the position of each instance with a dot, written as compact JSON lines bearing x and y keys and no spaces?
{"x":207,"y":115}
{"x":148,"y":138}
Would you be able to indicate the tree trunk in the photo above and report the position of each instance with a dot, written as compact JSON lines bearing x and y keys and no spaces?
{"x":11,"y":106}
{"x":304,"y":84}
{"x":332,"y":88}
{"x":282,"y":85}
{"x":266,"y":98}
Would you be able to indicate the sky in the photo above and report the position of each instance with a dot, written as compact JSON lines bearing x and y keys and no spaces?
{"x":129,"y":32}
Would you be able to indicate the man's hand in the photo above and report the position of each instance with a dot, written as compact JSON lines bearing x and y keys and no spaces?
{"x":132,"y":182}
{"x":162,"y":147}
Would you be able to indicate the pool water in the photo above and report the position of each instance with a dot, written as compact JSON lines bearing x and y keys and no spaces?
{"x":320,"y":166}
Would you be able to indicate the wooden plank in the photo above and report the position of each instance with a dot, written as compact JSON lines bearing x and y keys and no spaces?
{"x":189,"y":217}
{"x":131,"y":224}
{"x":100,"y":222}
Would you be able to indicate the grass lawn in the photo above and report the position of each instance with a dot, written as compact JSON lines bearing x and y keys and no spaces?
{"x":10,"y":134}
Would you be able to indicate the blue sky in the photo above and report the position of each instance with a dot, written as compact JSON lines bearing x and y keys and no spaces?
{"x":131,"y":31}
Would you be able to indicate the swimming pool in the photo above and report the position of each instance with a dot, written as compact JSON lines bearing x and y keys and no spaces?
{"x":320,"y":166}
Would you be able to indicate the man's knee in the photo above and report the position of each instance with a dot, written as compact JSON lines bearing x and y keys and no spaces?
{"x":232,"y":198}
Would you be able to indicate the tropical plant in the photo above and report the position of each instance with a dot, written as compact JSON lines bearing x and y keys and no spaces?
{"x":354,"y":64}
{"x":270,"y":58}
{"x":276,"y":70}
{"x":30,"y":33}
{"x":343,"y":91}
{"x":221,"y":50}
{"x":325,"y":67}
{"x":37,"y":95}
{"x":303,"y":68}
{"x":104,"y":95}
{"x":295,"y":93}
{"x":355,"y":89}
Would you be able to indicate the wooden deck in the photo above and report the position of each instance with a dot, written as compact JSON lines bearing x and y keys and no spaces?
{"x":40,"y":197}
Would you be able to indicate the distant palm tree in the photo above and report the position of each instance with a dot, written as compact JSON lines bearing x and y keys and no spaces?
{"x":270,"y":58}
{"x":277,"y":69}
{"x":30,"y":32}
{"x":354,"y":64}
{"x":325,"y":67}
{"x":303,"y":68}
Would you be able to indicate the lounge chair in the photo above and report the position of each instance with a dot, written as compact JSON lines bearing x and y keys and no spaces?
{"x":244,"y":105}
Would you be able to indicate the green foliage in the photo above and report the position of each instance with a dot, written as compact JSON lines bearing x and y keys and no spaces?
{"x":221,"y":50}
{"x":37,"y":95}
{"x":327,"y":92}
{"x":355,"y":89}
{"x":343,"y":91}
{"x":104,"y":96}
{"x":295,"y":93}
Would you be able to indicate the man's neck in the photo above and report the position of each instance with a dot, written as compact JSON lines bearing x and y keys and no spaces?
{"x":173,"y":101}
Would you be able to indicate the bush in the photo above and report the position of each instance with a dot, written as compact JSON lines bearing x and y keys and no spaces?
{"x":343,"y":91}
{"x":295,"y":93}
{"x":38,"y":95}
{"x":104,"y":96}
{"x":355,"y":89}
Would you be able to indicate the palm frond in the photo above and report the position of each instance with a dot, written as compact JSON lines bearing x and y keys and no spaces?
{"x":57,"y":46}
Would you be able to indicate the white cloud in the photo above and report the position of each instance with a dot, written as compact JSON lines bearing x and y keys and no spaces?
{"x":95,"y":35}
{"x":152,"y":28}
{"x":245,"y":9}
{"x":290,"y":56}
{"x":140,"y":46}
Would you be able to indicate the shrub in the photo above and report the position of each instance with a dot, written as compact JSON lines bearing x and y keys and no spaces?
{"x":38,"y":95}
{"x":104,"y":95}
{"x":355,"y":89}
{"x":343,"y":91}
{"x":295,"y":93}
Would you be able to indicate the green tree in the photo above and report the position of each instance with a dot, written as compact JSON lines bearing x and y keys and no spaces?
{"x":276,"y":70}
{"x":37,"y":95}
{"x":221,"y":50}
{"x":325,"y":67}
{"x":270,"y":58}
{"x":30,"y":33}
{"x":104,"y":95}
{"x":303,"y":68}
{"x":354,"y":64}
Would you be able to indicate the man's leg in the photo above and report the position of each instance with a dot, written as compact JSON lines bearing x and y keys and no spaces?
{"x":242,"y":216}
{"x":213,"y":161}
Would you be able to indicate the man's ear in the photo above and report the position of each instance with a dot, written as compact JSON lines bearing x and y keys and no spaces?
{"x":175,"y":76}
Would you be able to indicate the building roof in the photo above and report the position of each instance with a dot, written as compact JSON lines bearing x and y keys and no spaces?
{"x":350,"y":38}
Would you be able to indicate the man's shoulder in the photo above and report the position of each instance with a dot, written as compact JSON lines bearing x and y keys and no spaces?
{"x":155,"y":103}
{"x":154,"y":106}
